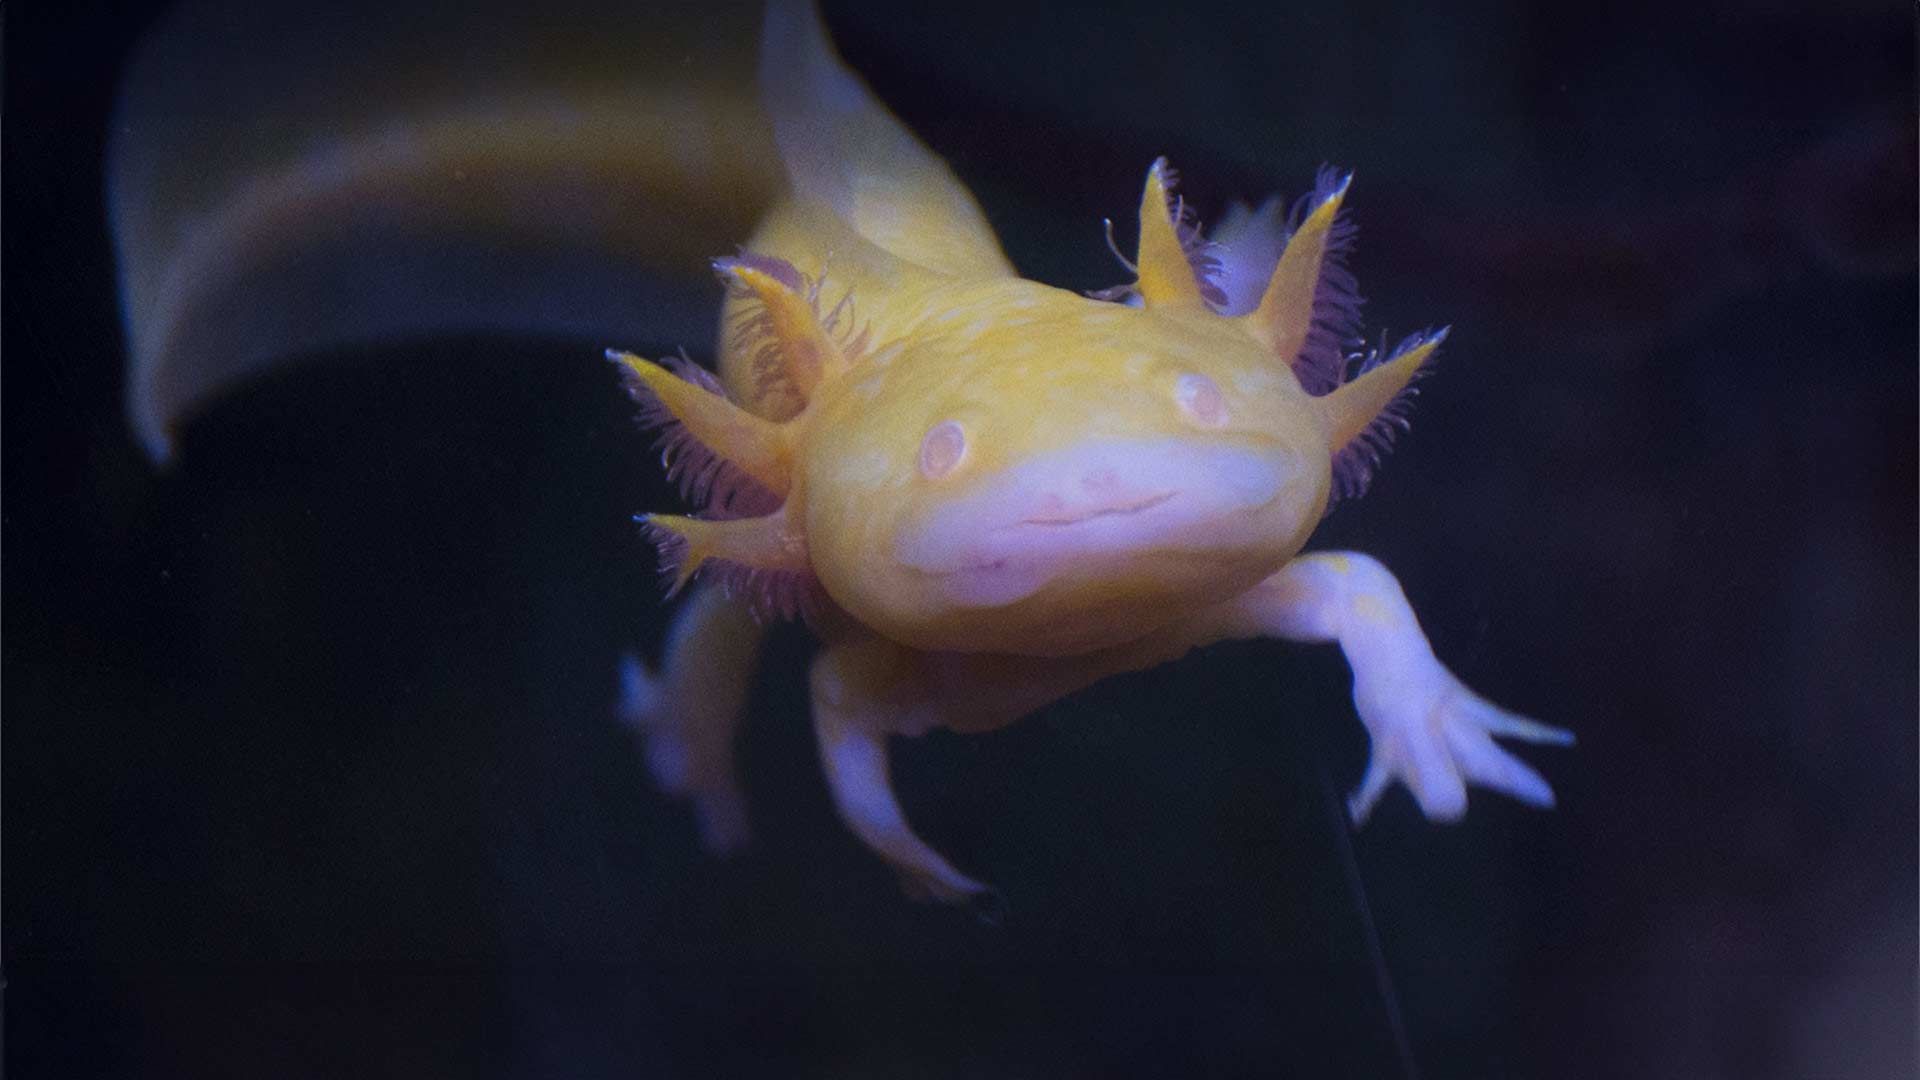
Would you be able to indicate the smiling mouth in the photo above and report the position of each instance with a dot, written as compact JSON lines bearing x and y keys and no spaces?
{"x":1134,"y":507}
{"x":1094,"y":512}
{"x":1019,"y":556}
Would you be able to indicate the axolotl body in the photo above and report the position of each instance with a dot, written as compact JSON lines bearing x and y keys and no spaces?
{"x":986,"y":493}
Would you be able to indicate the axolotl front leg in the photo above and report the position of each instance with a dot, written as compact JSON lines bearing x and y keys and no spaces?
{"x":1427,"y":729}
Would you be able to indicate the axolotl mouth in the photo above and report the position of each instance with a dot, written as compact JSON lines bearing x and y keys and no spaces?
{"x":1093,"y":506}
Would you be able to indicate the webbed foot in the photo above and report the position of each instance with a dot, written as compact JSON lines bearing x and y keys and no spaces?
{"x":1428,"y":731}
{"x":1436,"y":736}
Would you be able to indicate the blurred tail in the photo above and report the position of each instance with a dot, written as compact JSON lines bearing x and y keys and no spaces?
{"x":285,"y":180}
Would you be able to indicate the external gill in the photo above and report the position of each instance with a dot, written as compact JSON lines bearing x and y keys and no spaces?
{"x":790,"y":343}
{"x":737,"y":464}
{"x":701,"y":420}
{"x":1364,"y":416}
{"x":1175,"y":266}
{"x":762,"y":559}
{"x":1169,"y":239}
{"x":1308,"y":314}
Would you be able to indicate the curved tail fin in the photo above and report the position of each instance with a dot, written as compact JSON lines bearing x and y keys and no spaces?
{"x":285,"y":180}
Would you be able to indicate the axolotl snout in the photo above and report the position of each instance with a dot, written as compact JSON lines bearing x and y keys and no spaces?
{"x":986,"y":493}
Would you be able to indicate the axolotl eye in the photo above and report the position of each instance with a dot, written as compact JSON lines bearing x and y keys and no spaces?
{"x":942,"y":450}
{"x":1200,"y":399}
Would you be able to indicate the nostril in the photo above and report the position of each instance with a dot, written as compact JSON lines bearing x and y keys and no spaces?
{"x":1200,"y":398}
{"x":942,"y":449}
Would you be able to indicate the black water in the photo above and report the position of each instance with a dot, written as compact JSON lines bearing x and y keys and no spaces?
{"x":310,"y":767}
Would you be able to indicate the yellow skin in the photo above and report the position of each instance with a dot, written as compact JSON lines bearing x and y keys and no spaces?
{"x":1006,"y":491}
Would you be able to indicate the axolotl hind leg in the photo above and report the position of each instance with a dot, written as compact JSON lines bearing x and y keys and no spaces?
{"x":687,"y":713}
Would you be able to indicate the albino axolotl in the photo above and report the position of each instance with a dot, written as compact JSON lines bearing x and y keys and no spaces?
{"x":986,"y":493}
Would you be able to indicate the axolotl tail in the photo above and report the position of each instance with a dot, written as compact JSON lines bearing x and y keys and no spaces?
{"x":289,"y":180}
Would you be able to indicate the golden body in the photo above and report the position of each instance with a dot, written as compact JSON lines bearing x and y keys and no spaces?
{"x":995,"y":492}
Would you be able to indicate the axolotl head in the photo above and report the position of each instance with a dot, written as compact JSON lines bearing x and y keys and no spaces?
{"x":1038,"y":472}
{"x":1043,"y":473}
{"x":1004,"y":466}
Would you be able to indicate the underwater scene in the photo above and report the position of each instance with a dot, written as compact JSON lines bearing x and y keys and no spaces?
{"x":856,"y":540}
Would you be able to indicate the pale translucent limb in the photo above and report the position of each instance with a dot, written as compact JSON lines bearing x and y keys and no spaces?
{"x":687,"y":714}
{"x":865,"y":690}
{"x":1427,"y":729}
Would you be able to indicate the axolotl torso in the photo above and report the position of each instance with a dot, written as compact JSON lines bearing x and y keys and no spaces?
{"x":986,"y":493}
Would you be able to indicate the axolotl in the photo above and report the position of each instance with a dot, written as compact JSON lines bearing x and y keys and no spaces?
{"x":986,"y":493}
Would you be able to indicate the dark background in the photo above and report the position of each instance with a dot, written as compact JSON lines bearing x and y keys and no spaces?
{"x":310,"y":761}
